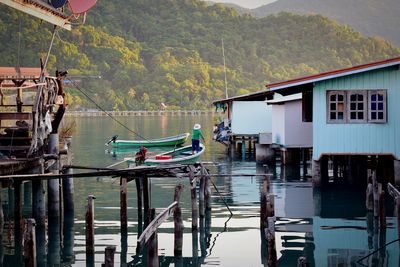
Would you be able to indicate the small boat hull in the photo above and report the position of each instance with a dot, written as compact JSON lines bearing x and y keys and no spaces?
{"x":166,"y":141}
{"x":181,"y":155}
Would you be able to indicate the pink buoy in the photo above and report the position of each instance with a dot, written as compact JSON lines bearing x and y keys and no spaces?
{"x":81,"y":6}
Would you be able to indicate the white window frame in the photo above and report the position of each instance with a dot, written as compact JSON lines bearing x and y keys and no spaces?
{"x":364,"y":102}
{"x":384,"y":102}
{"x":328,"y":107}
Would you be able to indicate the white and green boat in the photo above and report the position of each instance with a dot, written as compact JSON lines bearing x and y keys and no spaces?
{"x":181,"y":155}
{"x":175,"y":140}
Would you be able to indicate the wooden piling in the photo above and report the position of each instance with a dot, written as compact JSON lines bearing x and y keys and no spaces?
{"x":201,"y":194}
{"x":263,"y":203}
{"x":27,"y":207}
{"x":90,"y":226}
{"x":146,"y":201}
{"x":109,"y":256}
{"x":139,"y":194}
{"x":30,"y":244}
{"x":193,"y":197}
{"x":375,"y":188}
{"x":124,"y":203}
{"x":53,"y":185}
{"x":178,"y":223}
{"x":17,"y":214}
{"x":369,"y":199}
{"x":68,"y":182}
{"x":382,"y":213}
{"x":270,"y":231}
{"x":207,"y":190}
{"x":152,"y":254}
{"x":38,"y":200}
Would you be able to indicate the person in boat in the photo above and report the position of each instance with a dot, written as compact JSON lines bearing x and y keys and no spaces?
{"x":196,"y":136}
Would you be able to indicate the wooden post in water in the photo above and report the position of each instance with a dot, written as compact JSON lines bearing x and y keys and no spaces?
{"x":369,"y":199}
{"x":201,"y":194}
{"x":382,"y":213}
{"x":146,"y":200}
{"x":263,"y":203}
{"x":124,"y":204}
{"x":30,"y":244}
{"x":38,"y":200}
{"x":207,"y":190}
{"x":90,"y":227}
{"x":375,"y":188}
{"x":68,"y":183}
{"x":139,"y":193}
{"x":53,"y":185}
{"x":270,"y":231}
{"x":152,"y":254}
{"x":193,"y":197}
{"x":109,"y":256}
{"x":17,"y":214}
{"x":1,"y":231}
{"x":178,"y":223}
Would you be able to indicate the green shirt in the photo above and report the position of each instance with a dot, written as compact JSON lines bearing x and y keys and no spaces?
{"x":196,"y":134}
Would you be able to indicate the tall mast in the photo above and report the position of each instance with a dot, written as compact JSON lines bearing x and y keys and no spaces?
{"x":223,"y":56}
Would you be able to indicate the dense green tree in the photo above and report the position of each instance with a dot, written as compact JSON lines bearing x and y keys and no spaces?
{"x":152,"y":51}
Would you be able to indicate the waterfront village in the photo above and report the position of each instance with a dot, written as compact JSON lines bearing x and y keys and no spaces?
{"x":337,"y":127}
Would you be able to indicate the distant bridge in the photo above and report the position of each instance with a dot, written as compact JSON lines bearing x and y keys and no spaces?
{"x":97,"y":113}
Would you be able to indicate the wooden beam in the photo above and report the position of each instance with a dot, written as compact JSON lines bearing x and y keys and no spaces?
{"x":40,"y":10}
{"x":154,"y":224}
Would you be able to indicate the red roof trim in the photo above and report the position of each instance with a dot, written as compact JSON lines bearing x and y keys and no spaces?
{"x":335,"y":72}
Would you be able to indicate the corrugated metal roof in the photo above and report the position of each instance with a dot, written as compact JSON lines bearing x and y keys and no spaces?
{"x":284,"y":99}
{"x":334,"y":74}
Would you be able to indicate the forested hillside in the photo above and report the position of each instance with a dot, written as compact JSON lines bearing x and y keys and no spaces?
{"x":153,"y":51}
{"x":371,"y":17}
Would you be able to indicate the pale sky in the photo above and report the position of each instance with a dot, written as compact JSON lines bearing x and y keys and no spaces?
{"x":246,"y":3}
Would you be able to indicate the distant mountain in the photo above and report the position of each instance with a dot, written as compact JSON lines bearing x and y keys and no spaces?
{"x":370,"y":17}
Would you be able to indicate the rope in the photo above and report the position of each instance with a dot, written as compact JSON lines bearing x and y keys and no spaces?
{"x":108,"y":114}
{"x":373,"y":252}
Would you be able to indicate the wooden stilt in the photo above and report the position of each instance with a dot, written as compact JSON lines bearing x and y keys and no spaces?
{"x":369,"y":199}
{"x":193,"y":197}
{"x":398,"y":215}
{"x":270,"y":231}
{"x":375,"y":188}
{"x":207,"y":190}
{"x":54,"y":241}
{"x":124,"y":204}
{"x":382,"y":213}
{"x":30,"y":244}
{"x":53,"y":185}
{"x":178,"y":223}
{"x":109,"y":256}
{"x":263,"y":203}
{"x":146,"y":200}
{"x":90,"y":227}
{"x":139,"y":193}
{"x":38,"y":201}
{"x":27,"y":207}
{"x":195,"y":247}
{"x":201,"y":194}
{"x":152,"y":255}
{"x":17,"y":214}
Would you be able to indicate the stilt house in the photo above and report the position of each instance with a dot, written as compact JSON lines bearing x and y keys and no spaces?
{"x":355,"y":118}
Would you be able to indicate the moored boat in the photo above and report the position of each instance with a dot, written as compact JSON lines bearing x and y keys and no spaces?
{"x":175,"y":140}
{"x":180,"y":155}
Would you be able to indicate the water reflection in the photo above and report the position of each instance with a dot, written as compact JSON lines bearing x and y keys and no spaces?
{"x":328,"y":227}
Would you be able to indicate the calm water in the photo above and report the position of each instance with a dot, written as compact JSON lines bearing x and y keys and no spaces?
{"x":330,"y":228}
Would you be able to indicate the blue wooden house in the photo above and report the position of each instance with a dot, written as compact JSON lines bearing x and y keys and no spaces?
{"x":355,"y":113}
